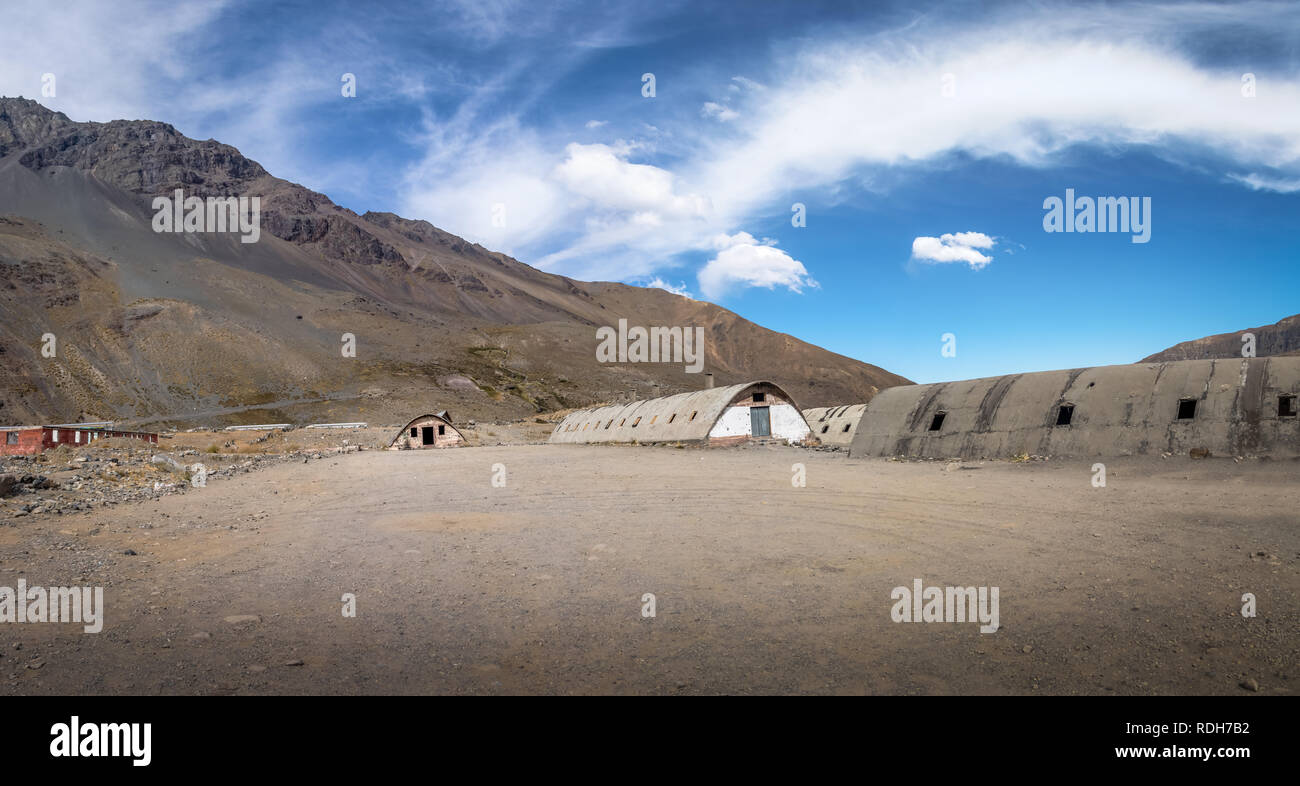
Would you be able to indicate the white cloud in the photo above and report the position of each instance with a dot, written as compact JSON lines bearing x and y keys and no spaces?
{"x":718,"y":111}
{"x":744,"y":261}
{"x":679,"y":289}
{"x":1257,"y":182}
{"x":953,"y":247}
{"x":597,"y":123}
{"x":603,"y":175}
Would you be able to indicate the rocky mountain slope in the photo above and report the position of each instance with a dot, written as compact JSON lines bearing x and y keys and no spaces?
{"x":196,"y":328}
{"x":1282,"y":338}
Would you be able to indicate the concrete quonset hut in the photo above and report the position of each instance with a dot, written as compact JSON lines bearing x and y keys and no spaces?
{"x":713,"y":416}
{"x":428,"y":431}
{"x":835,"y":426}
{"x":1229,"y":407}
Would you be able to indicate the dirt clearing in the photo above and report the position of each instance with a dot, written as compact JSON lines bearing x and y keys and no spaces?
{"x":463,"y":586}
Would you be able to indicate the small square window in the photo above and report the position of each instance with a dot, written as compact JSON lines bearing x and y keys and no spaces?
{"x":937,"y":422}
{"x":760,"y":397}
{"x":414,"y":432}
{"x":11,"y":438}
{"x":1187,"y":409}
{"x":1286,"y":406}
{"x":442,"y":430}
{"x":1064,"y":415}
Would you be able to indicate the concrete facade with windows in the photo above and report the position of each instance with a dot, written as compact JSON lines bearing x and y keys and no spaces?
{"x":1235,"y":407}
{"x":835,"y":426}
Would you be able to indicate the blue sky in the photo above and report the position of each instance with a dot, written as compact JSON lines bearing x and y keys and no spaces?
{"x":895,"y":125}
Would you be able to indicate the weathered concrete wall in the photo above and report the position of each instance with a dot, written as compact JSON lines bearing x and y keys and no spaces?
{"x":1118,"y":411}
{"x":411,"y":437}
{"x":684,"y":417}
{"x":835,"y":425}
{"x":786,"y":422}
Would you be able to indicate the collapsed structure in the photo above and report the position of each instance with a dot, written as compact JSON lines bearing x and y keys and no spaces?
{"x":428,"y":431}
{"x":29,"y":440}
{"x":1227,"y":407}
{"x":835,"y":426}
{"x":713,"y":416}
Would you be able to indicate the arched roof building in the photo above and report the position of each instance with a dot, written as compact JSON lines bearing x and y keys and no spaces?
{"x":428,"y":431}
{"x":835,"y":425}
{"x":1230,"y":407}
{"x":713,"y":416}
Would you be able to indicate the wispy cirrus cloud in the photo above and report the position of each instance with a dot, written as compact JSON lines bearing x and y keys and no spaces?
{"x":485,"y":111}
{"x":1027,"y":89}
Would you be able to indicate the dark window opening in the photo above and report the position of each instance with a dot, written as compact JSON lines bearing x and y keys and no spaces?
{"x":672,"y":417}
{"x":1186,"y":409}
{"x":760,"y":397}
{"x":1286,"y":406}
{"x":693,"y":415}
{"x":1064,"y":414}
{"x":846,"y":427}
{"x":414,"y":432}
{"x":11,"y":438}
{"x":442,"y":430}
{"x":937,"y":423}
{"x":825,"y":428}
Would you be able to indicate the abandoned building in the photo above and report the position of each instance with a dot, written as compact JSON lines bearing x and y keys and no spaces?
{"x":428,"y":431}
{"x":712,"y":416}
{"x":834,"y":426}
{"x":1235,"y":407}
{"x":29,"y":440}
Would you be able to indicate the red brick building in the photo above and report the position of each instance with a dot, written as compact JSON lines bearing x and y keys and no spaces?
{"x":29,"y":440}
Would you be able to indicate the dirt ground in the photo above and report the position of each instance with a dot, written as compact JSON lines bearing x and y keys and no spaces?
{"x":761,"y":587}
